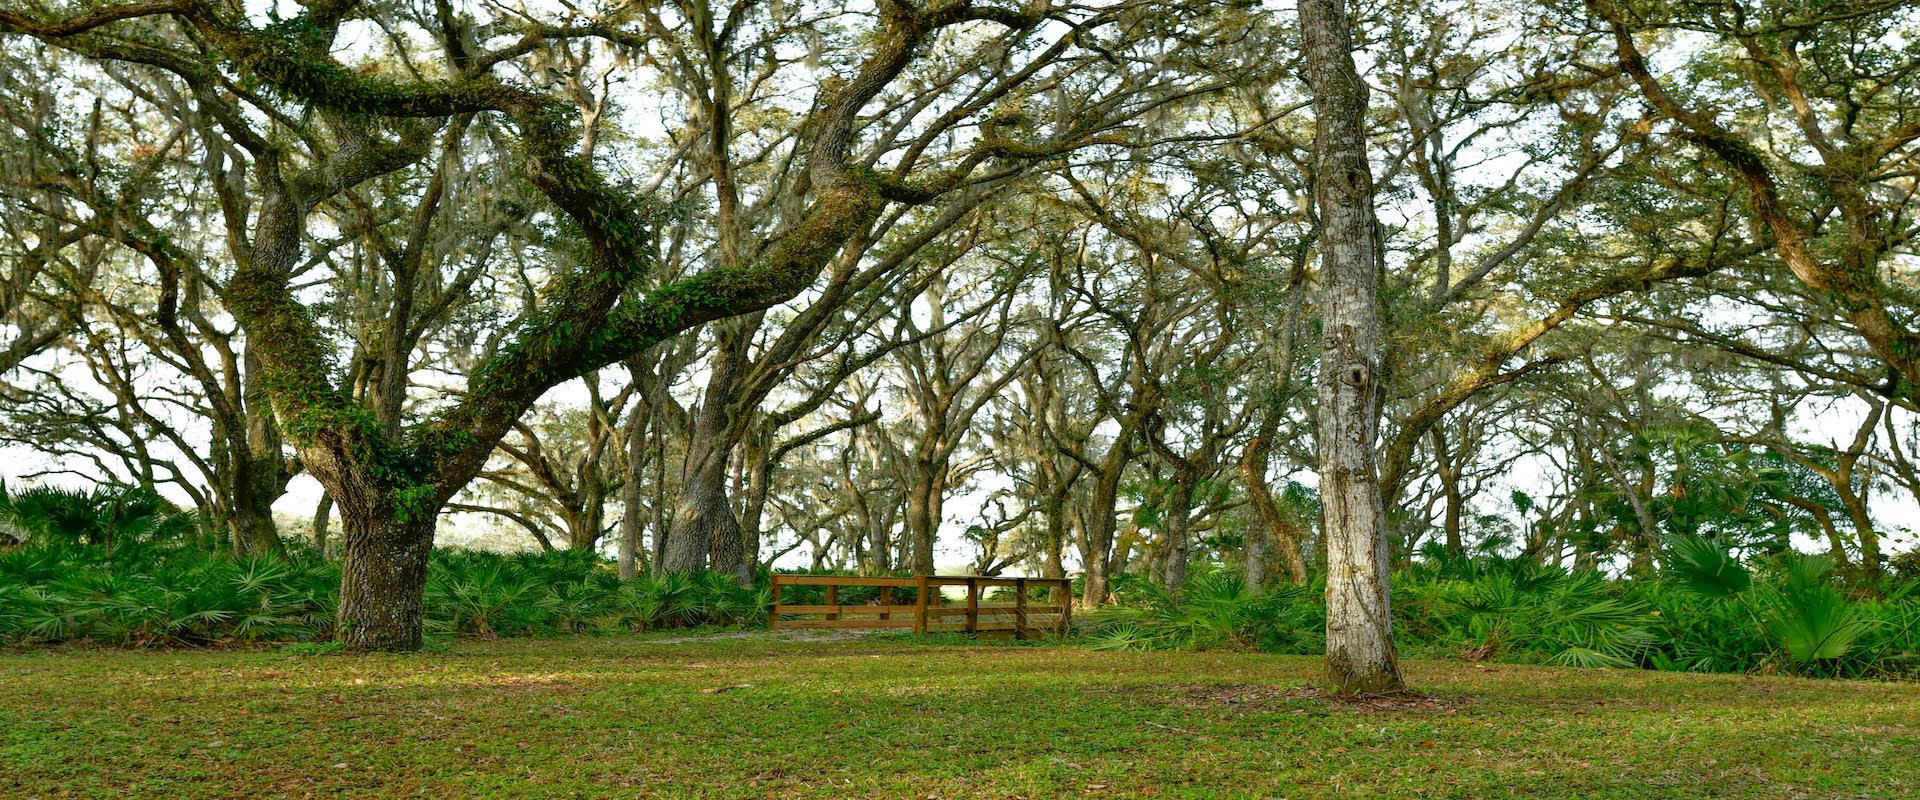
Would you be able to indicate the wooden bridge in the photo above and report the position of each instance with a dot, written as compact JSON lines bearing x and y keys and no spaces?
{"x":929,"y":612}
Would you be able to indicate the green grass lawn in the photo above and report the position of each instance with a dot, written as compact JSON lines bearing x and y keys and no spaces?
{"x":899,"y":717}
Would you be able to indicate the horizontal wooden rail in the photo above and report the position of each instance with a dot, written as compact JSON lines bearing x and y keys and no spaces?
{"x":991,"y":611}
{"x":841,"y":580}
{"x":988,"y":582}
{"x":928,"y":612}
{"x":846,"y":609}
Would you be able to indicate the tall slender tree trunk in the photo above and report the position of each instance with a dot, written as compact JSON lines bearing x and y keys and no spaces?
{"x":632,"y":501}
{"x":879,"y":544}
{"x":657,"y":515}
{"x":1449,"y":469}
{"x":1856,"y":506}
{"x":1053,"y":564}
{"x":1640,"y":544}
{"x":729,"y":552}
{"x":758,"y":485}
{"x":1360,"y":653}
{"x":259,"y":469}
{"x":320,"y":522}
{"x":1179,"y":525}
{"x":1855,"y":500}
{"x":1254,"y":552}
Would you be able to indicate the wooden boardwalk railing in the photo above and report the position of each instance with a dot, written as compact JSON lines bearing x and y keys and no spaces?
{"x":929,"y":612}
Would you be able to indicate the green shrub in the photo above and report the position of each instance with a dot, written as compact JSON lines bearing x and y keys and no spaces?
{"x":1217,"y":610}
{"x":107,"y":514}
{"x":1708,"y":611}
{"x":151,"y":594}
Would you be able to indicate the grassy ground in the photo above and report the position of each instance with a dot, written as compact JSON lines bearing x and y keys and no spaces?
{"x":743,"y":717}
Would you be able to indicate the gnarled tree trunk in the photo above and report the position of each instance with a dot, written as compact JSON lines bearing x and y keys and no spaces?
{"x":1274,"y":529}
{"x":383,"y":579}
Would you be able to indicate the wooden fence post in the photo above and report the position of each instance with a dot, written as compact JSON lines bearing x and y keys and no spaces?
{"x":973,"y":605}
{"x":886,"y":599}
{"x":833,"y":599}
{"x":1020,"y":609}
{"x":920,"y":606}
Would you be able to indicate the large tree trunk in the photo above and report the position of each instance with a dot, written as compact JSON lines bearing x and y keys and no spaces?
{"x":924,"y":501}
{"x":586,"y":528}
{"x":1097,"y":548}
{"x":251,"y":522}
{"x":383,"y":579}
{"x":702,"y":509}
{"x":1360,"y":654}
{"x":703,"y":522}
{"x":258,"y":480}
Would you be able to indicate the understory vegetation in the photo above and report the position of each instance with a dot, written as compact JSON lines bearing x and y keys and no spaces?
{"x":118,"y":567}
{"x":150,"y":595}
{"x":124,"y":569}
{"x":1705,"y":612}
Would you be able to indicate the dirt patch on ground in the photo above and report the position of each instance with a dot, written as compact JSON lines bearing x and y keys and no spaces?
{"x":1399,"y":701}
{"x":1251,"y":697}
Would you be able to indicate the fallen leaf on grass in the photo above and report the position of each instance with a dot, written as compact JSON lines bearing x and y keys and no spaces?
{"x":719,"y":689}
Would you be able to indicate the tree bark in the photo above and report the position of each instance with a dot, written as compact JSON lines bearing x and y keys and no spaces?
{"x":1360,"y":652}
{"x":703,"y":520}
{"x":1274,"y":529}
{"x":320,"y":523}
{"x":631,"y":498}
{"x":251,"y":521}
{"x":1097,"y":546}
{"x":383,"y":580}
{"x":1179,"y":524}
{"x":924,"y":501}
{"x":1443,"y":459}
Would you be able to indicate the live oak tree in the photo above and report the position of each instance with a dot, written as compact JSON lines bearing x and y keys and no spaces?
{"x":155,"y":374}
{"x":389,"y":478}
{"x":1109,"y":96}
{"x":1808,"y":112}
{"x":1079,"y":293}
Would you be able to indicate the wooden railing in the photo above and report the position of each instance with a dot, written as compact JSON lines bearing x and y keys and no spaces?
{"x":929,"y":611}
